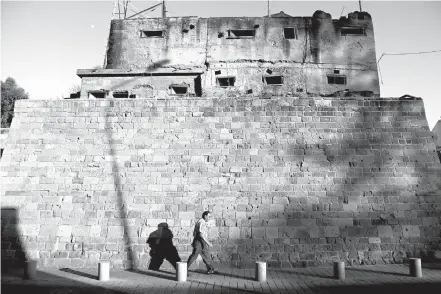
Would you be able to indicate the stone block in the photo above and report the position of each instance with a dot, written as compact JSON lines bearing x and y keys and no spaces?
{"x":331,"y":231}
{"x":385,"y":231}
{"x":187,"y":215}
{"x":64,"y":231}
{"x":272,"y":232}
{"x":257,"y":233}
{"x":411,"y":231}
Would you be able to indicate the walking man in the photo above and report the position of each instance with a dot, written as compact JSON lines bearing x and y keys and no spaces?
{"x":200,"y":243}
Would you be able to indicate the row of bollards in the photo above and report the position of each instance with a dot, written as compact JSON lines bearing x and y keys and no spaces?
{"x":414,"y":269}
{"x":30,"y":270}
{"x":260,"y":273}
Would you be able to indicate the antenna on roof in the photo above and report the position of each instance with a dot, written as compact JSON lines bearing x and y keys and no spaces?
{"x":359,"y":2}
{"x":268,"y":8}
{"x":163,"y":9}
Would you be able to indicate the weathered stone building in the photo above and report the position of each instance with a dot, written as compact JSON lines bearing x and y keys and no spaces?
{"x":253,"y":56}
{"x":291,"y":179}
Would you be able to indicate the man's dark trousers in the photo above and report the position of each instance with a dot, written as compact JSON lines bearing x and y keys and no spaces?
{"x":200,"y":247}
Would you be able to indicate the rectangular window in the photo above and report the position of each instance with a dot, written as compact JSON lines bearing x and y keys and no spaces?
{"x":225,"y":81}
{"x":290,"y":33}
{"x":336,"y":71}
{"x":352,"y":31}
{"x":179,"y":89}
{"x":97,"y":94}
{"x":241,"y":34}
{"x":336,"y":80}
{"x":121,"y":94}
{"x":273,"y":80}
{"x":151,"y":34}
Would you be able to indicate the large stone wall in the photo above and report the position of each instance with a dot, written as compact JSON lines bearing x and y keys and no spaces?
{"x":296,"y":182}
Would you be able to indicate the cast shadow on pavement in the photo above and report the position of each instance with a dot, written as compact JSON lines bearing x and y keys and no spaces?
{"x":158,"y":274}
{"x":376,"y":272}
{"x":79,"y":273}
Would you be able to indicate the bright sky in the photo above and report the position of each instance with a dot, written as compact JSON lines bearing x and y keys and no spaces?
{"x":44,"y":43}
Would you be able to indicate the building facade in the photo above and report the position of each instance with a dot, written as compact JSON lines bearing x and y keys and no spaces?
{"x":231,"y":56}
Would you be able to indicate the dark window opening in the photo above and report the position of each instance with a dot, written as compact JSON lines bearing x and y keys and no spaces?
{"x":337,"y":80}
{"x":185,"y":31}
{"x":97,"y":94}
{"x":151,"y":34}
{"x":220,"y":35}
{"x":225,"y":81}
{"x":299,"y":90}
{"x":290,"y":33}
{"x":217,"y":72}
{"x":121,"y":94}
{"x":274,"y":80}
{"x":191,"y":27}
{"x":179,"y":89}
{"x":336,"y":71}
{"x":269,"y":71}
{"x":132,"y":96}
{"x":75,"y":95}
{"x":256,"y":26}
{"x":250,"y":91}
{"x":239,"y":34}
{"x":352,"y":31}
{"x":1,"y":153}
{"x":198,"y":86}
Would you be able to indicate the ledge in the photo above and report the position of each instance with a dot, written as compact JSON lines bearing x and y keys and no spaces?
{"x":137,"y":72}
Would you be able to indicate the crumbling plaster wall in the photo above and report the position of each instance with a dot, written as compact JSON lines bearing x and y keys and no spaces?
{"x":318,"y":49}
{"x":141,"y":86}
{"x":295,"y":182}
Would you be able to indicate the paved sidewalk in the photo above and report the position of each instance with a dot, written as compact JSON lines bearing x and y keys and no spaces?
{"x":363,"y":279}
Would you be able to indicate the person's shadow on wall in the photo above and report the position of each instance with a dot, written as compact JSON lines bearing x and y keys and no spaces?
{"x":161,"y":247}
{"x":12,"y":249}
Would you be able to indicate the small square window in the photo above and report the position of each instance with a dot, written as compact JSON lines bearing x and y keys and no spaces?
{"x":179,"y":89}
{"x":352,"y":31}
{"x":336,"y":79}
{"x":97,"y":94}
{"x":241,"y":34}
{"x":121,"y":94}
{"x":151,"y":34}
{"x":290,"y":33}
{"x":217,"y":72}
{"x":225,"y":81}
{"x":336,"y":71}
{"x":273,"y":80}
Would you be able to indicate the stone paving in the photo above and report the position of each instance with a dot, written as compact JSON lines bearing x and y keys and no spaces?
{"x":363,"y":279}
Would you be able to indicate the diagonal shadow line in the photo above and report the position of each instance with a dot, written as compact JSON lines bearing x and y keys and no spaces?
{"x":121,"y":203}
{"x":75,"y":272}
{"x":376,"y":272}
{"x":299,"y":274}
{"x":117,"y":182}
{"x":156,"y":274}
{"x":234,"y":276}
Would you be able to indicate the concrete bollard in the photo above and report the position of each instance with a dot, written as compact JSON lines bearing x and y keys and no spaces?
{"x":30,"y":270}
{"x":415,"y":267}
{"x":181,"y":271}
{"x":104,"y":271}
{"x":261,"y":271}
{"x":339,"y":270}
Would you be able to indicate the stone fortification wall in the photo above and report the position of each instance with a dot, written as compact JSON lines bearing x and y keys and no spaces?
{"x":295,"y":182}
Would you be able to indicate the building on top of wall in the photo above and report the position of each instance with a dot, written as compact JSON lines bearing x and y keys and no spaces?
{"x":437,"y":132}
{"x":236,"y":56}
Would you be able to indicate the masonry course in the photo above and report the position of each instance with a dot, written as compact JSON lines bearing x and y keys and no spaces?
{"x":292,"y":181}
